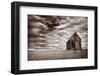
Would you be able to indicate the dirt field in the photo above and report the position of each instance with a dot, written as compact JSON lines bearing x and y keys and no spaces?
{"x":52,"y":55}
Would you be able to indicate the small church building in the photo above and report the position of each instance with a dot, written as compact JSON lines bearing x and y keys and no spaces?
{"x":74,"y":43}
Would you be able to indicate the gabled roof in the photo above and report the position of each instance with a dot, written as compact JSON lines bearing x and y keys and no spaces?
{"x":75,"y":35}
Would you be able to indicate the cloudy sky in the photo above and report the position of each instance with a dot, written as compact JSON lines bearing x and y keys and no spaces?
{"x":62,"y":27}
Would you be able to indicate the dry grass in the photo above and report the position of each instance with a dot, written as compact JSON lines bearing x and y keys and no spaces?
{"x":57,"y":54}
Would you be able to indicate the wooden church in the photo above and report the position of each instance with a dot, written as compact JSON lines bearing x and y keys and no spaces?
{"x":74,"y":43}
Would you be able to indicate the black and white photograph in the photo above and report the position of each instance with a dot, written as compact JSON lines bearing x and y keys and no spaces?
{"x":52,"y":37}
{"x":57,"y":37}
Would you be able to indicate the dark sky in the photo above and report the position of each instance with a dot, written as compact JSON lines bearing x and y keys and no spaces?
{"x":57,"y":38}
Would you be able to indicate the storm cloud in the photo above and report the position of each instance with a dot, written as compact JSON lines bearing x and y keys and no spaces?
{"x":52,"y":32}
